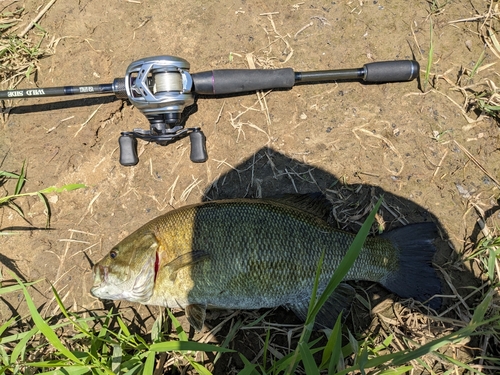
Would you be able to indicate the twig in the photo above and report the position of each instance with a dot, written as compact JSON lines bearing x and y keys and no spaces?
{"x":302,"y":29}
{"x":59,"y":123}
{"x":86,"y":122}
{"x":474,"y":160}
{"x":37,"y":18}
{"x":472,"y":19}
{"x":416,"y":42}
{"x":439,"y":165}
{"x":387,"y":142}
{"x":220,"y":113}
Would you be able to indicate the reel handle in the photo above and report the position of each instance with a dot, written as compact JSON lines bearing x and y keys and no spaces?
{"x":128,"y":150}
{"x":198,"y":147}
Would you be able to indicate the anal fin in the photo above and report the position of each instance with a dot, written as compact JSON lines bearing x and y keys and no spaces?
{"x":339,"y":302}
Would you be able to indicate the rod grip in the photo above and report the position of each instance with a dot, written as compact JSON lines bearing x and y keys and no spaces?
{"x":391,"y":71}
{"x":232,"y":81}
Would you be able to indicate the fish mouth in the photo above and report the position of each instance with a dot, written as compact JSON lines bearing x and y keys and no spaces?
{"x":100,"y":278}
{"x":100,"y":275}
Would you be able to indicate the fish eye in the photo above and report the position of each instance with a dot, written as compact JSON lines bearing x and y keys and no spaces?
{"x":113,"y":254}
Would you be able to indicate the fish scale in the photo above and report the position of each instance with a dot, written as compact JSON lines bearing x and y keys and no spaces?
{"x":255,"y":253}
{"x":276,"y":258}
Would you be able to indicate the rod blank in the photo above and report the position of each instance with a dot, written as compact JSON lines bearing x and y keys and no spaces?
{"x":57,"y":91}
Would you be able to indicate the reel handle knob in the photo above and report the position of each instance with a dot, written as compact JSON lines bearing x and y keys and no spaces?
{"x":128,"y":150}
{"x":198,"y":147}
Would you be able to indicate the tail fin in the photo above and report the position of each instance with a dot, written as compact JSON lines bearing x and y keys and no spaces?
{"x":415,"y":277}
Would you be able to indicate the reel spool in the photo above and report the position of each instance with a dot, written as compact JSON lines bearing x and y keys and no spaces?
{"x":160,"y":87}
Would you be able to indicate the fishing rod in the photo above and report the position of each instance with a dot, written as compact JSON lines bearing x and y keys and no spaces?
{"x":161,"y":87}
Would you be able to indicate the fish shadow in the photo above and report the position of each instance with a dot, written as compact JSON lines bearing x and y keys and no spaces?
{"x":269,"y":173}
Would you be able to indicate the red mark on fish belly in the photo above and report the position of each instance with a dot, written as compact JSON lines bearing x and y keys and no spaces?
{"x":157,"y":265}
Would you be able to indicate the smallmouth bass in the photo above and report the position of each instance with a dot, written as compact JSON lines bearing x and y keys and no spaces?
{"x":259,"y":253}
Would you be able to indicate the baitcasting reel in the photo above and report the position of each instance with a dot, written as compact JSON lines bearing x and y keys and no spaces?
{"x":161,"y":88}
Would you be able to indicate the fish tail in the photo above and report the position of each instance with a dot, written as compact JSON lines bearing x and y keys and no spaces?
{"x":415,"y":277}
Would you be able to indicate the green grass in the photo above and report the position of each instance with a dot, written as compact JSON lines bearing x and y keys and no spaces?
{"x":436,"y":7}
{"x":76,"y":343}
{"x":429,"y":56}
{"x":89,"y":345}
{"x":20,"y":180}
{"x":488,"y":102}
{"x":18,"y":56}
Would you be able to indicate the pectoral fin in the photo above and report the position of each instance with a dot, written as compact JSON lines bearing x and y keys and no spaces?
{"x":339,"y":302}
{"x":185,"y":260}
{"x":195,"y":315}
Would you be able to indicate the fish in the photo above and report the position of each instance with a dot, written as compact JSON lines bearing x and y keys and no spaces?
{"x":246,"y":253}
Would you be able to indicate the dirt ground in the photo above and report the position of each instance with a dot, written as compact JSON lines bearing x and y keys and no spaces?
{"x":352,"y":141}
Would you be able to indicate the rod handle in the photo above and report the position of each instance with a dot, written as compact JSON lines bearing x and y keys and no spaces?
{"x":128,"y":150}
{"x":232,"y":81}
{"x":391,"y":71}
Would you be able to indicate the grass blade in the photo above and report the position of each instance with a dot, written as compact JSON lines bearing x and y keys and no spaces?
{"x":116,"y":358}
{"x":69,"y":187}
{"x":333,"y":348}
{"x":46,"y":330}
{"x":8,"y":174}
{"x":13,"y":288}
{"x":397,"y":371}
{"x":342,"y":270}
{"x":123,"y":326}
{"x":477,"y":65}
{"x":72,"y":370}
{"x":149,"y":366}
{"x":249,"y":368}
{"x":6,"y":325}
{"x":349,"y":258}
{"x":178,"y":328}
{"x":44,"y":200}
{"x":21,"y":345}
{"x":200,"y":369}
{"x":430,"y":55}
{"x":21,"y":179}
{"x":308,"y":359}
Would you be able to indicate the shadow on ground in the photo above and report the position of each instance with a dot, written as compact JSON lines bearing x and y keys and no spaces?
{"x":271,"y":173}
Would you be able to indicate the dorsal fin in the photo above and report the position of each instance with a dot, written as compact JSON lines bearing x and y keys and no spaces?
{"x":313,"y":203}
